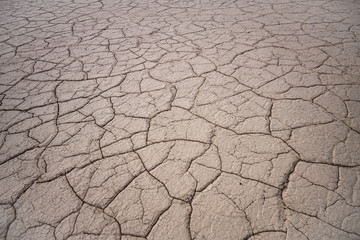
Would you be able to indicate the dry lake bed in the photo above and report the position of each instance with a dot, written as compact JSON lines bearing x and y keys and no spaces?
{"x":180,"y":120}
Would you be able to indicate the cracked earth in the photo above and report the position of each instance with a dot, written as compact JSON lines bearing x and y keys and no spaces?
{"x":180,"y":120}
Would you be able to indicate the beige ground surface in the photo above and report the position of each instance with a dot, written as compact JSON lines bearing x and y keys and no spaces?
{"x":180,"y":120}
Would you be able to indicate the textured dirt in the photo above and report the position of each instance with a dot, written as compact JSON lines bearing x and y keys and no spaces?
{"x":180,"y":120}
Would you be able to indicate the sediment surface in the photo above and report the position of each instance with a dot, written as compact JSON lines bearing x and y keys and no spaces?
{"x":180,"y":120}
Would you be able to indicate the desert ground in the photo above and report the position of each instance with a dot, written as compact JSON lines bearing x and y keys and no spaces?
{"x":180,"y":120}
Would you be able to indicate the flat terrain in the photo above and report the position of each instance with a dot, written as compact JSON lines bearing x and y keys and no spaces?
{"x":179,"y":120}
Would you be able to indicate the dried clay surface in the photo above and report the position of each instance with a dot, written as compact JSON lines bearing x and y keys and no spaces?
{"x":172,"y":119}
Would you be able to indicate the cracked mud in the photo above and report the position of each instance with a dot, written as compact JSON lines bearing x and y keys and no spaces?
{"x":180,"y":120}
